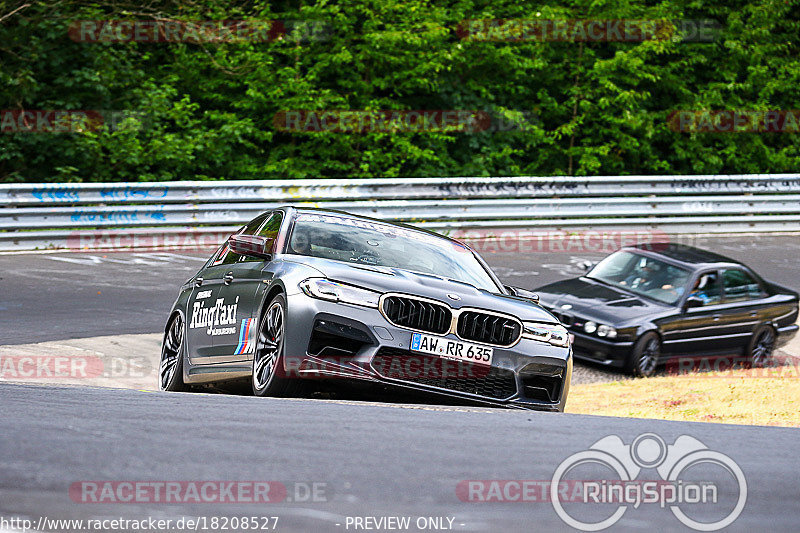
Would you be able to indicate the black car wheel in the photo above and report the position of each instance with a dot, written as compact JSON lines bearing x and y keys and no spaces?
{"x":270,"y":347}
{"x":170,"y":372}
{"x":761,"y":346}
{"x":644,"y":357}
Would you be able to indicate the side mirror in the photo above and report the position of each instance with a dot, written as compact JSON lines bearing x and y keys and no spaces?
{"x":523,"y":293}
{"x":586,"y":266}
{"x":693,"y":301}
{"x":252,"y":245}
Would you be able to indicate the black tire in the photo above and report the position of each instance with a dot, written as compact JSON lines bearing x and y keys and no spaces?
{"x":170,"y":370}
{"x":643,"y":359}
{"x":268,"y":359}
{"x":761,"y":346}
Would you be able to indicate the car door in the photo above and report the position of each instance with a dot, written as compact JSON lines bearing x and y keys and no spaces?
{"x":743,"y":306}
{"x":242,"y":286}
{"x":692,"y":330}
{"x":200,"y":308}
{"x":211,"y":315}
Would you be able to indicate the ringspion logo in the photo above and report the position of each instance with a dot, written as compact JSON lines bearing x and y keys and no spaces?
{"x":678,"y":489}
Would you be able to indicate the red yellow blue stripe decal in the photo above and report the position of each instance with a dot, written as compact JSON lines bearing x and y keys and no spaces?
{"x":245,"y":342}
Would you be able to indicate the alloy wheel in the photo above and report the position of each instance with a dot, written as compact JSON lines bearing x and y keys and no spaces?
{"x":270,"y":341}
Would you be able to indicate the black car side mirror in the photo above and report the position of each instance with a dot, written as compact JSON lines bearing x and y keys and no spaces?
{"x":523,"y":293}
{"x":586,"y":266}
{"x":252,"y":245}
{"x":693,"y":301}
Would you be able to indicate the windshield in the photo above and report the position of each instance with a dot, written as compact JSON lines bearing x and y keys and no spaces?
{"x":642,"y":275}
{"x":371,"y":243}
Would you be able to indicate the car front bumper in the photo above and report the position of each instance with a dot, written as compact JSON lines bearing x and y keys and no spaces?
{"x":336,"y":340}
{"x":591,"y":348}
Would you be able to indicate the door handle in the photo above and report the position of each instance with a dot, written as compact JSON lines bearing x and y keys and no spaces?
{"x":717,"y":317}
{"x":228,"y":278}
{"x":198,"y":282}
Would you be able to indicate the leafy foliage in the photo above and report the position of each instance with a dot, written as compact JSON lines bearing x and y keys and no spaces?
{"x":207,"y":110}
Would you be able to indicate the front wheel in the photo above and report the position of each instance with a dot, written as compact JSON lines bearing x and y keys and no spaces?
{"x":268,"y":358}
{"x":644,"y":357}
{"x":170,"y":371}
{"x":761,"y":346}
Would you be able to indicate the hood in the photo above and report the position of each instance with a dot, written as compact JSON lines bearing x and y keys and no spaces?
{"x":386,"y":279}
{"x":596,"y":301}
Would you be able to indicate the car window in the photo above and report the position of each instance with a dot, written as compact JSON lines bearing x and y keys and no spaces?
{"x":643,"y":275}
{"x":272,"y":226}
{"x":377,"y":244}
{"x":739,"y":285}
{"x":707,"y":288}
{"x":226,"y":255}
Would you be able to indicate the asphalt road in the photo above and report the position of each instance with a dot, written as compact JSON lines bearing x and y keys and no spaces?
{"x":373,"y":460}
{"x":69,"y":295}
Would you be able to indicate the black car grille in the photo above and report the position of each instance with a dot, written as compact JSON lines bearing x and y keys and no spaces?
{"x":417,"y":314}
{"x":489,"y":329}
{"x":564,"y":318}
{"x":458,"y":376}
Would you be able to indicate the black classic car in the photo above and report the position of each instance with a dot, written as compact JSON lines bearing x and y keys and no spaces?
{"x":640,"y":307}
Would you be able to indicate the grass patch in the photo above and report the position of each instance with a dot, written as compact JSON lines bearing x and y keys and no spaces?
{"x":764,"y":397}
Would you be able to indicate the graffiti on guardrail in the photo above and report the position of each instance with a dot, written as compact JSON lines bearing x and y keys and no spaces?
{"x":125,"y":193}
{"x":153,"y":214}
{"x":75,"y":193}
{"x":735,"y":185}
{"x":511,"y":188}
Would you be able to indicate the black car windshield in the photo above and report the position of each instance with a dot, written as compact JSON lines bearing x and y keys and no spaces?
{"x":382,"y":245}
{"x":643,"y":275}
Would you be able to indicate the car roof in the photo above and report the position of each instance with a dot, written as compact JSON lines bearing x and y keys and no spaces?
{"x":684,"y":255}
{"x":344,"y":214}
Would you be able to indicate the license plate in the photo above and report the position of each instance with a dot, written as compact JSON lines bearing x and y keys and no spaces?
{"x":451,"y":349}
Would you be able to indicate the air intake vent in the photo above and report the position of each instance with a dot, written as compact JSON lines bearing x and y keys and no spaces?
{"x":417,"y":314}
{"x":489,"y":329}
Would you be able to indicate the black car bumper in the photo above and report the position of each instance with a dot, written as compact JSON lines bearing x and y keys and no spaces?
{"x":785,"y":334}
{"x":590,"y":348}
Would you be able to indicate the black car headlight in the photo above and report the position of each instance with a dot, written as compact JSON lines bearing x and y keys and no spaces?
{"x":336,"y":291}
{"x":606,"y":331}
{"x":554,"y":334}
{"x":601,"y":330}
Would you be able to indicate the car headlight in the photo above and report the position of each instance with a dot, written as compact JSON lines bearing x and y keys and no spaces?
{"x":590,"y":327}
{"x":606,"y":331}
{"x":554,"y":334}
{"x":335,"y":291}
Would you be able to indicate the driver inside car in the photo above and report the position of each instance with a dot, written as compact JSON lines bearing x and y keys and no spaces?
{"x":702,"y":286}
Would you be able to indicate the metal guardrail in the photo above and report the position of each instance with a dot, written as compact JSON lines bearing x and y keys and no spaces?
{"x":191,"y":213}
